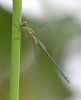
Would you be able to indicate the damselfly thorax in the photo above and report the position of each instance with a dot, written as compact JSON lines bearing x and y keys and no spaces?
{"x":28,"y":30}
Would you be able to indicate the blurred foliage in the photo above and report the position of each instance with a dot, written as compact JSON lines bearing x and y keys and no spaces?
{"x":39,"y":79}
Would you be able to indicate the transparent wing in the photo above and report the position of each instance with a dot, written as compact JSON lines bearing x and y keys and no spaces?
{"x":35,"y":45}
{"x":43,"y":27}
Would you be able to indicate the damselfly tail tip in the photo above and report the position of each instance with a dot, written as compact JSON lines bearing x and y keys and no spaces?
{"x":68,"y":81}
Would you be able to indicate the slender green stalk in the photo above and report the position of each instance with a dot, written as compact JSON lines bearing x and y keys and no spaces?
{"x":15,"y":50}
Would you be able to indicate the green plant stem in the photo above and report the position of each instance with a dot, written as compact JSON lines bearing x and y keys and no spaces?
{"x":15,"y":50}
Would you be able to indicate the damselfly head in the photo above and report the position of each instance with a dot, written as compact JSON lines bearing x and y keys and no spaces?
{"x":24,"y":24}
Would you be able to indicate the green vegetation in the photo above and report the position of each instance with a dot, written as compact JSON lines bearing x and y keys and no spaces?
{"x":15,"y":50}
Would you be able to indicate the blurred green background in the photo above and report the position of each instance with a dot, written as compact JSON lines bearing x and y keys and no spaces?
{"x":39,"y":79}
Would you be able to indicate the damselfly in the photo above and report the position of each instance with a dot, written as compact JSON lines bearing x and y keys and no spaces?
{"x":24,"y":26}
